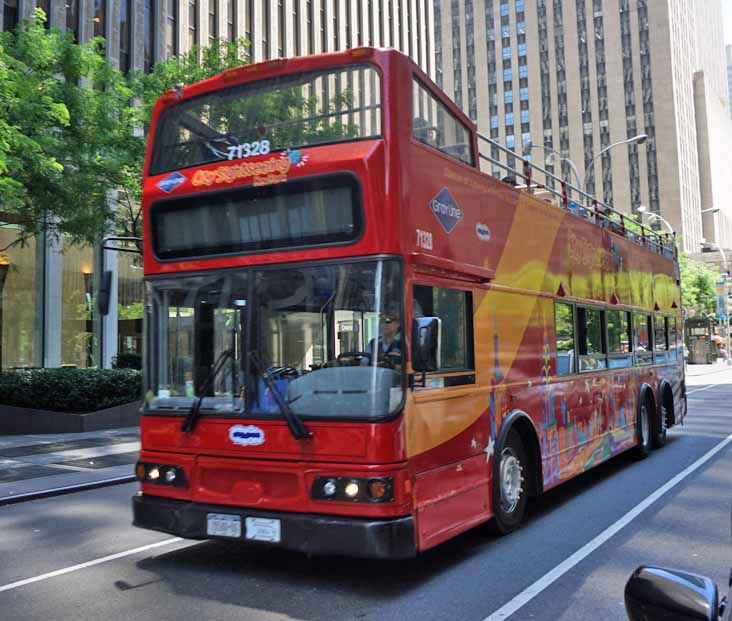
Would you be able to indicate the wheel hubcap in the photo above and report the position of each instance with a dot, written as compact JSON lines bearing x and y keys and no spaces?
{"x":511,"y":479}
{"x":645,"y":426}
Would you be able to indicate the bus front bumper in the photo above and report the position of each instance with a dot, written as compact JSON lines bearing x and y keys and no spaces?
{"x":304,"y":532}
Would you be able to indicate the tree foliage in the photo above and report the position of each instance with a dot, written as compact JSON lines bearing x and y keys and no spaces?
{"x":72,"y":141}
{"x":697,"y":285}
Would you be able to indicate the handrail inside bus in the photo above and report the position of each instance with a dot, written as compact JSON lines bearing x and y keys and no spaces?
{"x":588,"y":206}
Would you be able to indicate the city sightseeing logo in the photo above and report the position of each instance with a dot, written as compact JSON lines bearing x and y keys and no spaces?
{"x":265,"y":172}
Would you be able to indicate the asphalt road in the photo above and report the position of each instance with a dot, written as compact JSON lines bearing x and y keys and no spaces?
{"x":474,"y":577}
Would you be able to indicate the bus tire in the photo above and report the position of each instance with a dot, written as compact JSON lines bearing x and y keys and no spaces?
{"x":643,"y":429}
{"x":510,"y":484}
{"x":665,"y":412}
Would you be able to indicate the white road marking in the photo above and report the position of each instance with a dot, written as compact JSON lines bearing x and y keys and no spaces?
{"x":98,"y":561}
{"x":691,"y":392}
{"x":567,"y":564}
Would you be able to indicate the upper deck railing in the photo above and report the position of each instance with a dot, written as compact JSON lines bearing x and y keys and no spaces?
{"x":539,"y":181}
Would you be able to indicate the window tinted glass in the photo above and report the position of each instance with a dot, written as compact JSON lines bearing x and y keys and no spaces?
{"x":454,"y":309}
{"x":312,"y":212}
{"x":262,"y":117}
{"x":591,"y":342}
{"x":618,"y":332}
{"x":434,"y":125}
{"x":642,"y":338}
{"x":660,"y":327}
{"x":618,"y":335}
{"x":564,"y":335}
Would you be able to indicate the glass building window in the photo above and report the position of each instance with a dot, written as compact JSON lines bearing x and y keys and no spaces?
{"x":10,"y":14}
{"x":523,"y":72}
{"x":231,"y":20}
{"x":509,"y":118}
{"x":172,"y":47}
{"x":148,"y":21}
{"x":507,"y":75}
{"x":99,"y":18}
{"x":192,"y":22}
{"x":19,"y":307}
{"x":72,"y":18}
{"x":524,"y":94}
{"x":508,"y":97}
{"x":524,"y":116}
{"x":77,"y":307}
{"x":125,"y":34}
{"x":504,"y":9}
{"x":213,"y":21}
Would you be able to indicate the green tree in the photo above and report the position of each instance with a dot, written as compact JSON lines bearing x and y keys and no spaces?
{"x":72,"y":141}
{"x":66,"y":122}
{"x":697,"y":285}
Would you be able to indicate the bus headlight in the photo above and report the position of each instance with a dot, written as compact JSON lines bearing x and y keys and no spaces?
{"x":353,"y":489}
{"x":160,"y":474}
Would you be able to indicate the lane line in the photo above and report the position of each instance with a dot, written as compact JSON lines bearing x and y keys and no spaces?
{"x":691,"y":392}
{"x":530,"y":592}
{"x":99,"y":561}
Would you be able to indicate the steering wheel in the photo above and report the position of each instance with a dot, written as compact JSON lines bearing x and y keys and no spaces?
{"x":355,"y":356}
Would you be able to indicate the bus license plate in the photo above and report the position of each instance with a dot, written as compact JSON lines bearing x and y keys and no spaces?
{"x":223,"y":525}
{"x":263,"y":529}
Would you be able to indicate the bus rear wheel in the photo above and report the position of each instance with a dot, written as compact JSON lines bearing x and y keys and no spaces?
{"x":643,"y":431}
{"x":510,"y":484}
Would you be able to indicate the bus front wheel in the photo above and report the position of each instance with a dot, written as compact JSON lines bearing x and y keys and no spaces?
{"x":510,"y":484}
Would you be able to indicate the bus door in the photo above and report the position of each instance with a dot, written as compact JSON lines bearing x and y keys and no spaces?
{"x":448,"y":432}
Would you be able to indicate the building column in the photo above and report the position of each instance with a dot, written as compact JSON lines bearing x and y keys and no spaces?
{"x":52,"y":299}
{"x":57,"y":18}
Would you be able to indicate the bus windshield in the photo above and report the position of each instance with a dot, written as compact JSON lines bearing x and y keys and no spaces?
{"x":329,"y":339}
{"x":275,"y":114}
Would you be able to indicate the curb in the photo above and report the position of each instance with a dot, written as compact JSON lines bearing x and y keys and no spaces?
{"x":68,"y":489}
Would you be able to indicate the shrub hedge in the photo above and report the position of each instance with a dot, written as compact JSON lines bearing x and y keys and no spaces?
{"x":70,"y":390}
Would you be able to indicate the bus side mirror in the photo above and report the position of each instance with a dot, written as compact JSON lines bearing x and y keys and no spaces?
{"x":426,"y":344}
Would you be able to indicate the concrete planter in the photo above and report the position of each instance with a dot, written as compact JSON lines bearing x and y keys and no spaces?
{"x":14,"y":420}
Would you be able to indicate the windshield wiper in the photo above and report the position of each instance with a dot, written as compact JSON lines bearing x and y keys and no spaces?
{"x":297,"y":427}
{"x":193,"y":413}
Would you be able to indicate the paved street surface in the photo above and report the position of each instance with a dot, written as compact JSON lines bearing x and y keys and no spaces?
{"x":685,"y":524}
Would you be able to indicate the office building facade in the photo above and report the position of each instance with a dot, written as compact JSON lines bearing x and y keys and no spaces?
{"x":729,"y":78}
{"x":577,"y":76}
{"x":47,"y":287}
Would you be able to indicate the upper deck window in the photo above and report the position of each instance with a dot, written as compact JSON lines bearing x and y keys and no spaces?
{"x":289,"y":111}
{"x":434,"y":125}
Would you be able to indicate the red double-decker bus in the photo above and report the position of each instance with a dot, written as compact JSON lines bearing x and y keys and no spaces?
{"x":357,"y":341}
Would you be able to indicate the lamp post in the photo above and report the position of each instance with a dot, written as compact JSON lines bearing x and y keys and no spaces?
{"x":4,"y":266}
{"x":654,"y":216}
{"x":554,"y":154}
{"x":639,"y":139}
{"x":717,"y":247}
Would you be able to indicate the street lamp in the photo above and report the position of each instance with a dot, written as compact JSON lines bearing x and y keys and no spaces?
{"x":654,"y":216}
{"x":553,"y":155}
{"x":639,"y":139}
{"x":726,"y":292}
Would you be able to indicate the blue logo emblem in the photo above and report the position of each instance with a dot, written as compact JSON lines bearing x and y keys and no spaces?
{"x":248,"y":435}
{"x":171,"y":182}
{"x":446,"y":210}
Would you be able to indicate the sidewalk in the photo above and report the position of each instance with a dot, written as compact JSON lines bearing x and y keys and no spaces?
{"x":37,"y":463}
{"x":694,"y":370}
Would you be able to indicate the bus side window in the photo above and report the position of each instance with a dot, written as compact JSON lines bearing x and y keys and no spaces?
{"x":642,"y":338}
{"x":591,"y":341}
{"x":619,"y":339}
{"x":660,"y":338}
{"x":564,"y":337}
{"x":455,"y":309}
